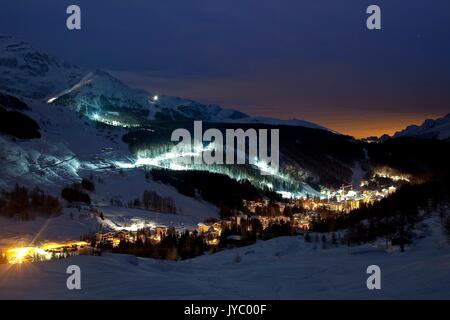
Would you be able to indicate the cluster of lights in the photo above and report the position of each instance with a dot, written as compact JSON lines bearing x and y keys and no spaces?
{"x":19,"y":255}
{"x":289,"y":195}
{"x":387,"y":173}
{"x":179,"y":159}
{"x":265,"y":168}
{"x":174,"y":160}
{"x":24,"y":254}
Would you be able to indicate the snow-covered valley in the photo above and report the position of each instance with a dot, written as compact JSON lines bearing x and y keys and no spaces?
{"x":91,"y":128}
{"x":281,"y":268}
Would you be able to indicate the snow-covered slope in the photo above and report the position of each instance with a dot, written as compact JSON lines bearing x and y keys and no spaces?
{"x":72,"y":147}
{"x":282,"y":268}
{"x":98,"y":91}
{"x":277,"y":122}
{"x":28,"y":72}
{"x":190,"y":109}
{"x":431,"y":129}
{"x":69,"y":143}
{"x":31,"y":73}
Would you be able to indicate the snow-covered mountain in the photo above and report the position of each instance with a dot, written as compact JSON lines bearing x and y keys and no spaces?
{"x":60,"y":101}
{"x":70,"y":147}
{"x":98,"y":91}
{"x":431,"y":129}
{"x":277,"y":122}
{"x":31,"y":73}
{"x":68,"y":144}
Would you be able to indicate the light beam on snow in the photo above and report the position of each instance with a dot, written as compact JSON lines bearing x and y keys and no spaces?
{"x":170,"y":160}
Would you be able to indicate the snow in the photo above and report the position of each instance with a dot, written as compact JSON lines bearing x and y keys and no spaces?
{"x":277,"y":122}
{"x":95,"y":86}
{"x":119,"y":218}
{"x":358,"y":173}
{"x":282,"y":268}
{"x":437,"y":129}
{"x":28,"y":72}
{"x":130,"y":185}
{"x":61,"y":228}
{"x":72,"y":147}
{"x":69,"y":144}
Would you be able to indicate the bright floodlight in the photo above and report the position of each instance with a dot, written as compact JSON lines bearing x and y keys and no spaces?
{"x":95,"y":116}
{"x":155,"y":98}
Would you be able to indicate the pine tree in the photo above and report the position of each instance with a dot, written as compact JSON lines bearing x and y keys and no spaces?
{"x":333,"y":238}
{"x":307,"y":237}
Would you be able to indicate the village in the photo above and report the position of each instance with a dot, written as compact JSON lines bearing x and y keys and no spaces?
{"x":258,"y":220}
{"x":262,"y":219}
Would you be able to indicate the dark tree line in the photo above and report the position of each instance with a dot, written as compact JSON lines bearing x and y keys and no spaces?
{"x":25,"y":204}
{"x":252,"y":230}
{"x":422,"y":158}
{"x":76,"y":192}
{"x":173,"y":246}
{"x":151,"y":201}
{"x":15,"y":123}
{"x":18,"y":125}
{"x":218,"y":189}
{"x":392,"y":218}
{"x":154,"y":202}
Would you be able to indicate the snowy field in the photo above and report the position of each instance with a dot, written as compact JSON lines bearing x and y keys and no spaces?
{"x":282,"y":268}
{"x":72,"y":224}
{"x":131,"y":185}
{"x":62,"y":228}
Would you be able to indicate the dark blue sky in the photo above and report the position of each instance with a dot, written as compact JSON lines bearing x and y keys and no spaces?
{"x":312,"y":59}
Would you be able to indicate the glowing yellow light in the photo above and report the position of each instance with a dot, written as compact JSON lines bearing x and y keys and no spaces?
{"x":213,"y":242}
{"x":19,"y":255}
{"x":56,"y":245}
{"x":26,"y":254}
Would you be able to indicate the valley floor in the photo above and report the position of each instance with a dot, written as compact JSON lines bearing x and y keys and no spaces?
{"x":282,"y":268}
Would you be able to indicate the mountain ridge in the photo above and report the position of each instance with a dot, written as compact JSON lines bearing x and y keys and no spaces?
{"x":30,"y":73}
{"x":431,"y":128}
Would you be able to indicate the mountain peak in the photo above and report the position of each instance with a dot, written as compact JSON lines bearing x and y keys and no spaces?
{"x":31,"y":73}
{"x":34,"y":74}
{"x":430,"y":128}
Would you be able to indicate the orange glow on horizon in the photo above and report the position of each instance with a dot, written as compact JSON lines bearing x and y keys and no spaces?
{"x":255,"y":97}
{"x":373,"y":125}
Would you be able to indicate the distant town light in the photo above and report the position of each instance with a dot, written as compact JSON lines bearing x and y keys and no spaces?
{"x":155,"y":98}
{"x":95,"y":116}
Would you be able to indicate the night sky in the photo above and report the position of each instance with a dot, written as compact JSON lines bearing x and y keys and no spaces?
{"x":312,"y":60}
